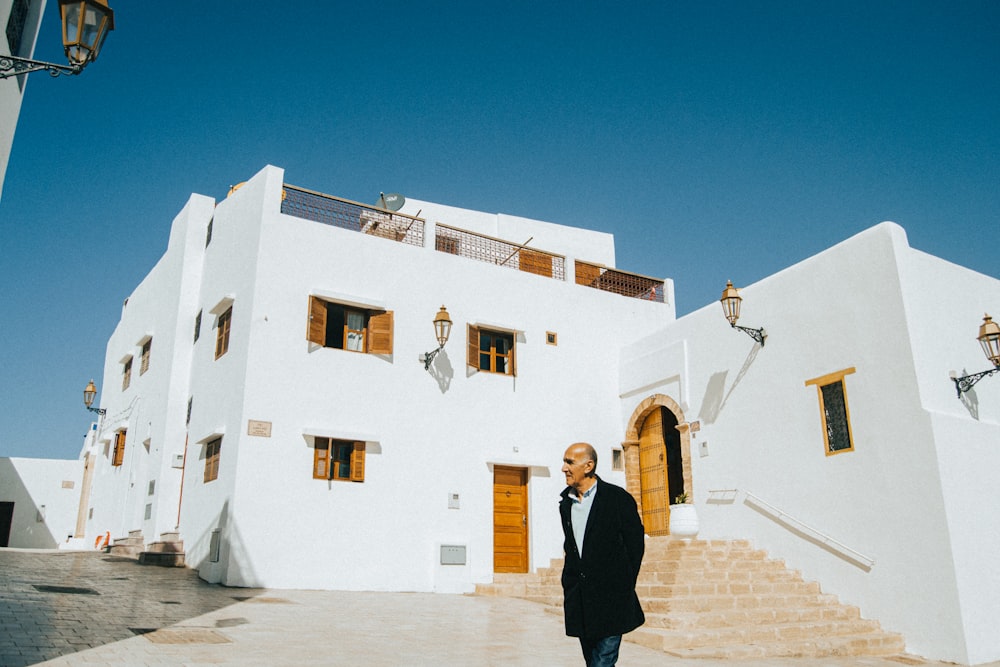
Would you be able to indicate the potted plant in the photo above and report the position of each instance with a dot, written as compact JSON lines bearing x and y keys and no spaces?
{"x":683,"y":517}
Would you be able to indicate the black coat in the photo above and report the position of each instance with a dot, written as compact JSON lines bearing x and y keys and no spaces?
{"x":599,"y":589}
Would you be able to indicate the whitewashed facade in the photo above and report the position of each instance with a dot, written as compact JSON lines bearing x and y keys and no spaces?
{"x":432,"y":437}
{"x":39,"y":502}
{"x":904,"y":525}
{"x":901,"y":523}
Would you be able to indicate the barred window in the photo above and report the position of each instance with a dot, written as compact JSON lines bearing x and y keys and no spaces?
{"x":834,"y":412}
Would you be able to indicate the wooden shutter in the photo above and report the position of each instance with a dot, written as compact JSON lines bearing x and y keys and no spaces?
{"x":535,"y":262}
{"x":119,"y":454}
{"x":321,"y":458}
{"x":472,"y":352}
{"x":587,"y":274}
{"x":380,"y":333}
{"x":316,"y":330}
{"x":513,"y":354}
{"x":358,"y":462}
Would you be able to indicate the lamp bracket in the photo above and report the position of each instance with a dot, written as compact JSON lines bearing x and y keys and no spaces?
{"x":100,"y":411}
{"x":429,"y":357}
{"x":965,"y":382}
{"x":757,"y":334}
{"x":13,"y":66}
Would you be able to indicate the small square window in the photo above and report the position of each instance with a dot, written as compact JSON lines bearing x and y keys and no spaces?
{"x":551,"y":338}
{"x":491,"y":351}
{"x":834,"y":413}
{"x":338,"y":460}
{"x":617,"y":460}
{"x":197,"y":326}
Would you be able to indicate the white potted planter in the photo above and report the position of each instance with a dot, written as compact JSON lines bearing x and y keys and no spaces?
{"x":683,"y":518}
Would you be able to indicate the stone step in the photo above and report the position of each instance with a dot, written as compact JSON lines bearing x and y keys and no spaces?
{"x":866,"y":644}
{"x":748,"y":617}
{"x":672,"y":639}
{"x":163,"y":559}
{"x":172,"y":536}
{"x":166,"y":547}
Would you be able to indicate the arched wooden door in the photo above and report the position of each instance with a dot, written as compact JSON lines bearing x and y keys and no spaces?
{"x":653,"y":475}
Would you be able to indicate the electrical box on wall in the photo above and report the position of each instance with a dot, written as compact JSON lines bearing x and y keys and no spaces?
{"x":453,"y":503}
{"x":453,"y":554}
{"x":178,"y":461}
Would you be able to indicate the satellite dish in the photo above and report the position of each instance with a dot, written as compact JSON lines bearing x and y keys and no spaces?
{"x":390,"y":202}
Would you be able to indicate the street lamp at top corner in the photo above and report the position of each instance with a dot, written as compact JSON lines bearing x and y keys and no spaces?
{"x":731,"y":301}
{"x":989,"y":339}
{"x":85,"y":26}
{"x":89,"y":393}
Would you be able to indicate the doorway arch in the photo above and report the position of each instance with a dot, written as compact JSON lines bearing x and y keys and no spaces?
{"x":657,"y":450}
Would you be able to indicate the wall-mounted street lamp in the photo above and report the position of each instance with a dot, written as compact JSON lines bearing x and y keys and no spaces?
{"x":88,"y":398}
{"x":989,"y":338}
{"x":442,"y":329}
{"x":85,"y":25}
{"x":731,"y":300}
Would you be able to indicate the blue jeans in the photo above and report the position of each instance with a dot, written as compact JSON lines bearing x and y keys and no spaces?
{"x":601,"y":652}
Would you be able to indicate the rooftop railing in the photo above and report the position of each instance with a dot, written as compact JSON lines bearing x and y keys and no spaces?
{"x":619,"y":282}
{"x":483,"y":248}
{"x":351,"y":215}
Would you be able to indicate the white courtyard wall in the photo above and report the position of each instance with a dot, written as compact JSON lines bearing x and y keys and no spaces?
{"x":944,"y":307}
{"x":761,"y":430}
{"x":46,"y":494}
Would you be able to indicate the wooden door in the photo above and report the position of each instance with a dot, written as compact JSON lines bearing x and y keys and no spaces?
{"x":510,"y":519}
{"x":653,"y":475}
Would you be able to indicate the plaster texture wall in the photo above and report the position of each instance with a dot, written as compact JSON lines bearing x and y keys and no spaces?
{"x":429,"y":433}
{"x":46,"y":495}
{"x":894,"y":499}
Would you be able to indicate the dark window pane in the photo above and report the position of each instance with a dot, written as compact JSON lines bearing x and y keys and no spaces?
{"x":837,"y":430}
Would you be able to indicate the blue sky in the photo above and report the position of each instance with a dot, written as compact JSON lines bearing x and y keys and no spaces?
{"x":716,"y":140}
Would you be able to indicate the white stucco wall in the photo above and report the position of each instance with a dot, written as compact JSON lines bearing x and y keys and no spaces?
{"x":46,"y":497}
{"x":891,"y":498}
{"x":429,"y":433}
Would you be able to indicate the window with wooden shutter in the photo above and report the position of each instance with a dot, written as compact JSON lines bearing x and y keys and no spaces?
{"x":316,"y":328}
{"x":338,"y":460}
{"x":321,"y":458}
{"x":212,"y":454}
{"x":144,"y":358}
{"x":358,"y":462}
{"x":380,"y":333}
{"x":349,"y":328}
{"x":126,"y":373}
{"x":491,"y":351}
{"x":472,"y":351}
{"x":222,"y":332}
{"x":118,"y":455}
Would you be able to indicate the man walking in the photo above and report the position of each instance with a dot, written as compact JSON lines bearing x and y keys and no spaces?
{"x":604,"y":544}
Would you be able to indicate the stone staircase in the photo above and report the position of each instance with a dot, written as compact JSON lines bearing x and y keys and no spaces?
{"x":168,"y":551}
{"x":724,"y":600}
{"x":128,"y":547}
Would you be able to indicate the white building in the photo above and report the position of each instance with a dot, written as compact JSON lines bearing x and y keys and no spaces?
{"x":226,"y":394}
{"x":896,"y":513}
{"x":213,"y":350}
{"x":39,"y":502}
{"x":21,"y":20}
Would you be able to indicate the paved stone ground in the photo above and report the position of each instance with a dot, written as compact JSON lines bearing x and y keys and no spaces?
{"x":87,"y":609}
{"x":55,"y":603}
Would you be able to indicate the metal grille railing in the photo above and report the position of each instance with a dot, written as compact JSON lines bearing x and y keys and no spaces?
{"x":502,"y":253}
{"x":351,"y":215}
{"x":619,"y":282}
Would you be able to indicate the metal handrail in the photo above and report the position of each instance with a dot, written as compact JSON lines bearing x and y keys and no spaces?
{"x":729,"y":495}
